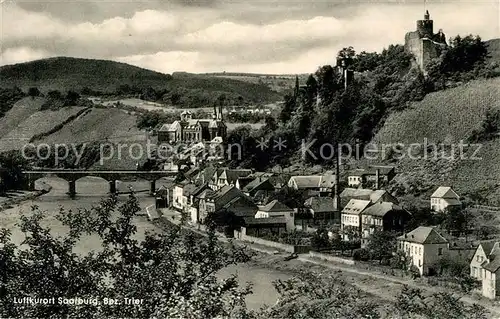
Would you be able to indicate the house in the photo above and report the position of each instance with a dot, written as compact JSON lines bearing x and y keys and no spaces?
{"x":322,"y":208}
{"x":219,"y":199}
{"x":259,"y":184}
{"x":481,"y":257}
{"x":320,"y":183}
{"x":444,"y":197}
{"x":187,"y":190}
{"x":425,"y":247}
{"x":225,"y":177}
{"x":204,"y":176}
{"x":277,"y":209}
{"x":491,"y":279}
{"x":351,"y":218}
{"x":373,"y":175}
{"x":163,"y":197}
{"x":243,"y":181}
{"x":194,"y":202}
{"x":375,"y":196}
{"x":382,"y":216}
{"x":177,"y":196}
{"x":258,"y":227}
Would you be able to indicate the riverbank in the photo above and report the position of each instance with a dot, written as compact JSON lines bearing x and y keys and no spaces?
{"x":17,"y":197}
{"x":381,"y":287}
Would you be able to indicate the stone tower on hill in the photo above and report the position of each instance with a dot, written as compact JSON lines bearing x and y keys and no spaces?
{"x":423,"y":43}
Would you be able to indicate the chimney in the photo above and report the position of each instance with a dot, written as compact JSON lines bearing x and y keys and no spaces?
{"x":214,"y":116}
{"x":377,"y":179}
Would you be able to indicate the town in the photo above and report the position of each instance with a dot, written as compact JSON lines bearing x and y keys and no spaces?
{"x":249,"y":195}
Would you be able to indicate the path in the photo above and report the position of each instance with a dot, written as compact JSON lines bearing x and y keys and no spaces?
{"x":386,"y":287}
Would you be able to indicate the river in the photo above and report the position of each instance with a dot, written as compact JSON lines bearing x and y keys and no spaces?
{"x":90,"y":191}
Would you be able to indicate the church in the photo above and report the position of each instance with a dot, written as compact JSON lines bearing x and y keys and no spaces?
{"x":188,"y":129}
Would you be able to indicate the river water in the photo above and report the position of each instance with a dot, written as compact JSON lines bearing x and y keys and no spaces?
{"x":90,"y":191}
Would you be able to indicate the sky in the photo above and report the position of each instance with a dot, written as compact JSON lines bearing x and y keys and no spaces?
{"x":257,"y":36}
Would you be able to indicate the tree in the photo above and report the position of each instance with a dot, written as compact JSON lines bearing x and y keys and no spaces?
{"x":319,"y":296}
{"x":381,"y":245}
{"x":173,"y":272}
{"x":401,"y":260}
{"x":412,"y":302}
{"x":320,"y":239}
{"x":34,"y":92}
{"x":457,"y":220}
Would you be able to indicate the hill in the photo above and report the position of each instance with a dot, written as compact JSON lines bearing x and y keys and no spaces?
{"x":64,"y":73}
{"x":447,"y":117}
{"x":444,"y":116}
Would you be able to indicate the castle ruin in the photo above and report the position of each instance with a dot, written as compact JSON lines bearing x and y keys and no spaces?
{"x":423,"y":43}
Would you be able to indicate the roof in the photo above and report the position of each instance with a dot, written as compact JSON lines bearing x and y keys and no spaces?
{"x":240,"y":210}
{"x":424,"y":235}
{"x":189,"y":189}
{"x":380,"y":209}
{"x":232,"y":175}
{"x":355,"y":206}
{"x":320,"y":204}
{"x":445,"y":192}
{"x":206,"y":193}
{"x":244,"y":181}
{"x":487,"y":246}
{"x":198,"y":190}
{"x":275,"y":206}
{"x":327,"y":180}
{"x":169,"y":127}
{"x":372,"y":170}
{"x":255,"y":184}
{"x":452,"y":201}
{"x":311,"y":181}
{"x":264,"y":221}
{"x":359,"y":193}
{"x":358,"y":172}
{"x":383,"y":169}
{"x":367,"y":194}
{"x":493,"y":266}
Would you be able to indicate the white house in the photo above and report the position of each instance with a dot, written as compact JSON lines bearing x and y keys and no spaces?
{"x":444,"y":197}
{"x":481,"y":257}
{"x":425,"y":247}
{"x":350,"y":219}
{"x":491,"y":278}
{"x":277,"y":209}
{"x":177,"y":202}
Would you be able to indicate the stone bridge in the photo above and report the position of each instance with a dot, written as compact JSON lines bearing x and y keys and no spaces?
{"x":71,"y":176}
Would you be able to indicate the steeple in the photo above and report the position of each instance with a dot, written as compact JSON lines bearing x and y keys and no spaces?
{"x":427,"y":16}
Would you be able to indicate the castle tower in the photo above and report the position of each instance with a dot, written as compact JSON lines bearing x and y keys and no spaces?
{"x":425,"y":27}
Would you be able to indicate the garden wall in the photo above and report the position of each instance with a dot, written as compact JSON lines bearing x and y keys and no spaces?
{"x":331,"y":258}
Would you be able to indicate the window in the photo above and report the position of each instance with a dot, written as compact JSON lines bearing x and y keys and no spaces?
{"x":420,"y":251}
{"x":474,"y":270}
{"x":420,"y":262}
{"x":440,"y":251}
{"x":479,"y":259}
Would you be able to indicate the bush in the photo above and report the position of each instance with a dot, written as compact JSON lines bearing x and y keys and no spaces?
{"x":361,"y":254}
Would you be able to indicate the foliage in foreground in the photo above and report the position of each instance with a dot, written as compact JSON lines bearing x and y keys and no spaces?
{"x":174,"y":273}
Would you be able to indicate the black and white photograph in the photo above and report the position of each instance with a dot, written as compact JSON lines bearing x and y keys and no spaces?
{"x":288,"y":159}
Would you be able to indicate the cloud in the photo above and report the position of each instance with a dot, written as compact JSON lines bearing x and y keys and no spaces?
{"x":22,"y":54}
{"x":264,"y":37}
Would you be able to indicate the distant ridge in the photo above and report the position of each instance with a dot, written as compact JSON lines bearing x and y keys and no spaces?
{"x":65,"y":73}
